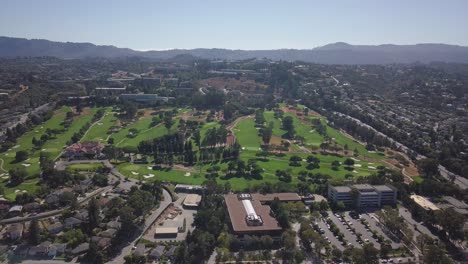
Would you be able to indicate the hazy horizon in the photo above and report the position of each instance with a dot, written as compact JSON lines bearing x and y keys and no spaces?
{"x":246,"y":25}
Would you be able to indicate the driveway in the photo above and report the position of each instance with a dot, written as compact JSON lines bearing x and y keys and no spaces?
{"x":127,"y":250}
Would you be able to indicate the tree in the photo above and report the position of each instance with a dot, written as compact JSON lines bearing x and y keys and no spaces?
{"x":134,"y":259}
{"x":434,"y":254}
{"x":168,"y":122}
{"x":451,"y":221}
{"x":34,"y":233}
{"x":288,"y":125}
{"x":349,"y":162}
{"x":74,"y":237}
{"x":429,"y":167}
{"x":93,"y":214}
{"x":21,"y":156}
{"x":94,"y":254}
{"x":370,"y":253}
{"x":266,"y":135}
{"x":17,"y":175}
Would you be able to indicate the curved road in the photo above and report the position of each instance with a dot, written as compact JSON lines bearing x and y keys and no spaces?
{"x":127,"y":250}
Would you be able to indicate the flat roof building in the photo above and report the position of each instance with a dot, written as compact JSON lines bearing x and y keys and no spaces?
{"x":424,"y":202}
{"x":144,"y":98}
{"x":192,"y":200}
{"x":366,"y":195}
{"x":250,"y":216}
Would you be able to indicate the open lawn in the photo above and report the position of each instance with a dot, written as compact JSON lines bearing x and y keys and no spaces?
{"x":99,"y":131}
{"x":85,"y":167}
{"x":145,"y":131}
{"x":247,"y":135}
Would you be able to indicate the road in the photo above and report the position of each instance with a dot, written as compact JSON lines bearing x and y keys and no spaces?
{"x":54,"y":212}
{"x":458,"y":180}
{"x":148,"y":222}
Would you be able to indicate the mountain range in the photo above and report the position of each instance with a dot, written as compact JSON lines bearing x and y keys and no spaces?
{"x":336,"y":53}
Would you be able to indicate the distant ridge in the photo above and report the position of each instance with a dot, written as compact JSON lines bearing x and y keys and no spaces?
{"x":335,"y":53}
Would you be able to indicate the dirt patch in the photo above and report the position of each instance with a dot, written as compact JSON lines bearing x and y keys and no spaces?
{"x":299,"y":113}
{"x":275,"y":140}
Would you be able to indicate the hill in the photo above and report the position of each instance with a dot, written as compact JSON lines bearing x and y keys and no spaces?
{"x":336,"y":53}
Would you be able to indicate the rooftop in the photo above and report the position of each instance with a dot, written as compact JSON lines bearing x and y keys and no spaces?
{"x":192,"y":200}
{"x":342,"y":188}
{"x":424,"y":202}
{"x":383,"y":188}
{"x":286,"y":197}
{"x":238,"y":214}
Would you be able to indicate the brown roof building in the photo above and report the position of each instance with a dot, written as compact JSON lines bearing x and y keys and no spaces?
{"x":250,"y":216}
{"x":283,"y":197}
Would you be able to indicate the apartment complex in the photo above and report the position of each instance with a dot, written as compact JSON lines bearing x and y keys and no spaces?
{"x":363,"y":195}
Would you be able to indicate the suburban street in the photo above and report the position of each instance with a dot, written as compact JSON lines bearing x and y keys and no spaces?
{"x":148,"y":222}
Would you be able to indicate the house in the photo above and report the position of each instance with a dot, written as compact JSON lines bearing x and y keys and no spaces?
{"x":170,"y":252}
{"x":109,"y":233}
{"x":15,"y":211}
{"x":157,"y":253}
{"x":56,"y":249}
{"x":4,"y":208}
{"x":41,"y":249}
{"x":80,"y":249}
{"x":103,"y":203}
{"x":82,"y":150}
{"x":114,"y":225}
{"x":104,"y":243}
{"x":82,"y":215}
{"x":72,"y":222}
{"x":55,"y":228}
{"x":53,"y":199}
{"x":15,"y":231}
{"x":32,"y":207}
{"x":140,"y":250}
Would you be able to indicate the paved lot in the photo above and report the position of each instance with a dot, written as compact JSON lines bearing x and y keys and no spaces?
{"x":412,"y":223}
{"x":178,"y":221}
{"x":347,"y":233}
{"x":360,"y":228}
{"x":376,"y":226}
{"x":335,"y":242}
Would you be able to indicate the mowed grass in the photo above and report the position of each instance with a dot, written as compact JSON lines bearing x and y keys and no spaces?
{"x":247,"y":135}
{"x":99,"y":131}
{"x":85,"y":167}
{"x":145,"y":131}
{"x":206,"y":127}
{"x":53,"y":147}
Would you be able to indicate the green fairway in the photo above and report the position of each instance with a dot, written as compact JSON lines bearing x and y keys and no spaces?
{"x":145,"y":132}
{"x":52,"y":146}
{"x":99,"y":131}
{"x":206,"y":127}
{"x":247,"y":134}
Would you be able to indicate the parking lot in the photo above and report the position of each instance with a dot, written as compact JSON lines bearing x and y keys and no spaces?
{"x":180,"y":214}
{"x":351,"y":228}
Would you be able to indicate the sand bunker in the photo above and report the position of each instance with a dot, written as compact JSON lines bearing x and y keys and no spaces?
{"x":187,"y":174}
{"x":135,"y":173}
{"x":26,"y":164}
{"x":371,"y":167}
{"x":148,"y":176}
{"x":358,"y":165}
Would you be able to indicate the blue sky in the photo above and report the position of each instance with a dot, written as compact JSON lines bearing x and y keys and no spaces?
{"x":237,"y":24}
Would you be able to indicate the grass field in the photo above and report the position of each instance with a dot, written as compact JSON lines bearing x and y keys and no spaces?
{"x":145,"y":131}
{"x":85,"y":167}
{"x":99,"y":131}
{"x":247,"y":134}
{"x":53,"y":147}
